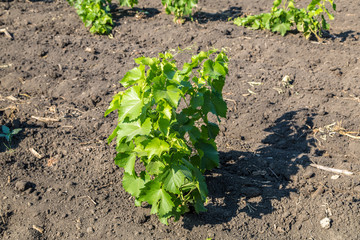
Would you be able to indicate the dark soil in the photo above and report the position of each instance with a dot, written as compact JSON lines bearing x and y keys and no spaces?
{"x":265,"y":187}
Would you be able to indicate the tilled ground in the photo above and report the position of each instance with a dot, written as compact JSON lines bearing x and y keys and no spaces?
{"x":265,"y":187}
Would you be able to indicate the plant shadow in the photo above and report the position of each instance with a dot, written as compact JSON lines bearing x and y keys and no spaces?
{"x":347,"y":35}
{"x":16,"y":139}
{"x":205,"y":17}
{"x":248,"y":182}
{"x":139,"y":13}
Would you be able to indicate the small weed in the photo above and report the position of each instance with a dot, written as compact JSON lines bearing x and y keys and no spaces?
{"x":7,"y":134}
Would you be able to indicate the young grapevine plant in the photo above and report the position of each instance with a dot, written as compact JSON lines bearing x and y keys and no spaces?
{"x":180,"y":8}
{"x":174,"y":145}
{"x":95,"y":14}
{"x":308,"y":21}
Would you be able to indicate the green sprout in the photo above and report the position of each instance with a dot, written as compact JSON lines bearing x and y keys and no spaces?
{"x":7,"y":134}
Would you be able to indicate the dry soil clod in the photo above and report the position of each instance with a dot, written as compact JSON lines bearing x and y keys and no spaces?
{"x":7,"y":34}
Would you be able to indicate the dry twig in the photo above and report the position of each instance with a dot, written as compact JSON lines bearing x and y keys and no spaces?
{"x":3,"y":30}
{"x":334,"y":170}
{"x":43,"y":119}
{"x":39,"y":229}
{"x":35,"y":153}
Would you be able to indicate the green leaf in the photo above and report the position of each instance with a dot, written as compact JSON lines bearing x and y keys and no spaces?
{"x":128,"y":3}
{"x":156,"y":147}
{"x":125,"y":147}
{"x":133,"y":184}
{"x":214,"y":104}
{"x":334,"y":6}
{"x":113,"y":135}
{"x":199,"y":203}
{"x":161,"y":201}
{"x":164,"y":125}
{"x":214,"y":69}
{"x":169,"y":71}
{"x":277,"y":3}
{"x":132,"y":129}
{"x":209,"y":156}
{"x":282,"y":28}
{"x":200,"y":179}
{"x":155,"y":167}
{"x":210,"y":131}
{"x":16,"y":131}
{"x":291,"y":5}
{"x":126,"y":161}
{"x":133,"y":76}
{"x":313,"y":4}
{"x":173,"y":178}
{"x":152,"y":62}
{"x":114,"y":104}
{"x":197,"y":100}
{"x":5,"y":129}
{"x":131,"y":104}
{"x":194,"y":134}
{"x":331,"y":17}
{"x":171,"y":94}
{"x":218,"y":84}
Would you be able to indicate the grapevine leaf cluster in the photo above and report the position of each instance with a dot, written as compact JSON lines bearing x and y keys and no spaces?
{"x":281,"y":19}
{"x":180,"y":8}
{"x":94,"y":14}
{"x":175,"y":145}
{"x":128,"y":3}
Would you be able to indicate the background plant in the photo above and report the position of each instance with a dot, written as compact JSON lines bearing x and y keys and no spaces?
{"x":308,"y":21}
{"x":95,"y":14}
{"x":174,"y":146}
{"x":7,"y":134}
{"x":180,"y":8}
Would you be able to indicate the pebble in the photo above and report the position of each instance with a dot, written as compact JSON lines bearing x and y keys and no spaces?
{"x":21,"y":185}
{"x":90,"y":230}
{"x":334,"y":177}
{"x":325,"y":223}
{"x":141,"y":219}
{"x":309,"y":173}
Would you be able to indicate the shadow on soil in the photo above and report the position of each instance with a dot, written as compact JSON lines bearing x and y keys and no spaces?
{"x":139,"y":13}
{"x":204,"y":17}
{"x":347,"y":35}
{"x":248,"y":181}
{"x":16,"y":139}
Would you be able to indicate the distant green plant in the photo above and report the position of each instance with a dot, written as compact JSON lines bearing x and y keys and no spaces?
{"x":180,"y":8}
{"x":128,"y":3}
{"x":7,"y":134}
{"x":308,"y":21}
{"x":175,"y":145}
{"x":95,"y":14}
